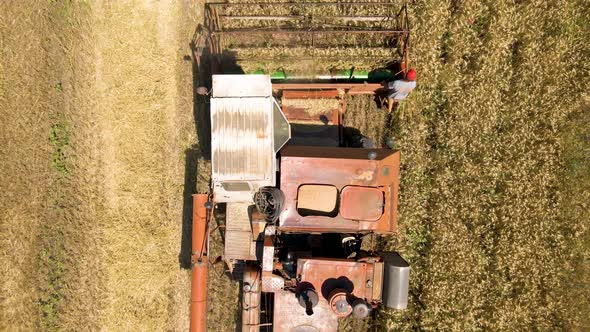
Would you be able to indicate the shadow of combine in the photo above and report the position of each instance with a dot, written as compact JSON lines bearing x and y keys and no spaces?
{"x":197,"y":153}
{"x":197,"y":158}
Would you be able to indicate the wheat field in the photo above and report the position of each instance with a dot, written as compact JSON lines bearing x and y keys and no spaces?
{"x":103,"y":142}
{"x":96,"y":117}
{"x":494,"y":216}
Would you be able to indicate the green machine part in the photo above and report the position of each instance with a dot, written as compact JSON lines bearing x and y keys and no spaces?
{"x":377,"y":75}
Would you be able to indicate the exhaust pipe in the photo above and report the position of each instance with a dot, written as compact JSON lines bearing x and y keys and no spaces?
{"x":199,"y":265}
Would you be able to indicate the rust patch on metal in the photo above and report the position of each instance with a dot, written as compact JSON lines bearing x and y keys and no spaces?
{"x":361,"y":203}
{"x":365,"y":175}
{"x":326,"y":275}
{"x":251,"y":299}
{"x":377,"y":281}
{"x":300,"y":114}
{"x":307,"y":94}
{"x":268,"y":252}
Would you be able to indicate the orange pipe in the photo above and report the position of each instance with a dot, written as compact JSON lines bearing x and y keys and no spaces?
{"x":199,"y":263}
{"x":199,"y":297}
{"x":199,"y":224}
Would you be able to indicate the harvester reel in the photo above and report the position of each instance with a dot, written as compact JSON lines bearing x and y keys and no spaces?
{"x":309,"y":31}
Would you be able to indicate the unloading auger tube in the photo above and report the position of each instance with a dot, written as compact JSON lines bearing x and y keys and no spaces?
{"x":200,"y":235}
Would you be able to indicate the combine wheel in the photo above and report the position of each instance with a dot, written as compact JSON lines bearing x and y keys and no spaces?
{"x":251,"y":298}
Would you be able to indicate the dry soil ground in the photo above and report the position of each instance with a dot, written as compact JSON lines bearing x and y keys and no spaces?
{"x":100,"y":150}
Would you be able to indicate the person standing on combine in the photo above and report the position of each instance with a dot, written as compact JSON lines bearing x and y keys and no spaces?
{"x":398,"y":90}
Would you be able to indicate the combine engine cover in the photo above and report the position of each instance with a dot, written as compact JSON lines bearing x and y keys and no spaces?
{"x":248,"y":128}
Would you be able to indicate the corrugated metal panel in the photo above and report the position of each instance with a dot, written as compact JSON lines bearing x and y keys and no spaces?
{"x":242,"y":146}
{"x":241,"y":86}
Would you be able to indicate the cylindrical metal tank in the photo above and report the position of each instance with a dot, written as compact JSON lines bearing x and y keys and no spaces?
{"x":396,"y":279}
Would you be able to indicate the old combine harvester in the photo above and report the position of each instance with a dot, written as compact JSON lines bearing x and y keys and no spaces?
{"x":299,"y":199}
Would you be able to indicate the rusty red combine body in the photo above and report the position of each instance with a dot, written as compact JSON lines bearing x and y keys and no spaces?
{"x":368,"y":189}
{"x":299,"y":199}
{"x":294,"y":224}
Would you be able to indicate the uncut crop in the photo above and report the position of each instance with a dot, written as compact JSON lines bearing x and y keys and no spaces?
{"x":490,"y":220}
